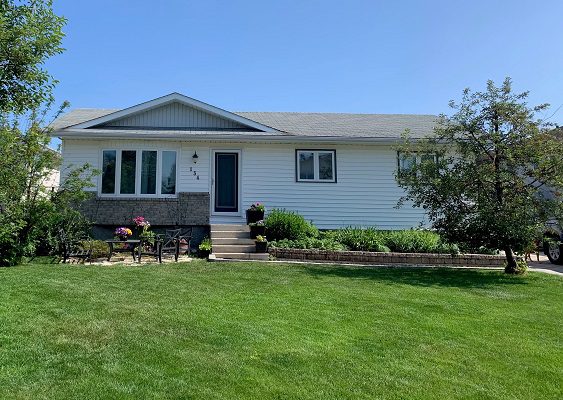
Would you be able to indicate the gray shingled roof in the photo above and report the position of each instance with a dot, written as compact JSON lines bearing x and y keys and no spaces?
{"x":307,"y":124}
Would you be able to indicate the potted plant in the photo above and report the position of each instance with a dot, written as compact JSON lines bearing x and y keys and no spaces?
{"x":122,"y":233}
{"x":261,"y":244}
{"x":205,"y":248}
{"x":257,"y":228}
{"x":255,"y":213}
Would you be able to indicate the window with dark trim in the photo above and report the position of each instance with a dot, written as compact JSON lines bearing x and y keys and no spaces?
{"x":315,"y":165}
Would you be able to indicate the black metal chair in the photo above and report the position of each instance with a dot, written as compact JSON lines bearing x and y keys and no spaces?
{"x":171,"y":242}
{"x":75,"y":248}
{"x":176,"y":241}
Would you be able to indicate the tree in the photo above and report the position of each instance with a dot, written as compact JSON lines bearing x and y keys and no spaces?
{"x":29,"y":34}
{"x":479,"y":175}
{"x":30,"y":213}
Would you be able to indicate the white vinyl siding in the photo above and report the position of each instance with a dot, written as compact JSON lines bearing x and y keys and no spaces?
{"x":365,"y":193}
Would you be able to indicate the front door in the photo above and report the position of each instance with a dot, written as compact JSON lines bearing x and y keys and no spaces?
{"x":226,"y":182}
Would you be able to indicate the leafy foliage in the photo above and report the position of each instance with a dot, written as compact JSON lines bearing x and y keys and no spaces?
{"x":498,"y":175}
{"x":29,"y":34}
{"x":358,"y":239}
{"x":32,"y":216}
{"x":205,"y":244}
{"x":282,"y":224}
{"x":309,"y":243}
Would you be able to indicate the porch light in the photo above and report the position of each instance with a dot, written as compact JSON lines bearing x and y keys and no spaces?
{"x":195,"y":157}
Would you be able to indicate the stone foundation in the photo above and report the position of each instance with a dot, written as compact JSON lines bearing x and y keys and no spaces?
{"x":187,"y":209}
{"x":366,"y":257}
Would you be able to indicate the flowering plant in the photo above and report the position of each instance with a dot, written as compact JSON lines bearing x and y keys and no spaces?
{"x":261,"y":238}
{"x":123,"y":232}
{"x":143,"y":225}
{"x":141,"y":222}
{"x":257,"y":207}
{"x":258,"y":223}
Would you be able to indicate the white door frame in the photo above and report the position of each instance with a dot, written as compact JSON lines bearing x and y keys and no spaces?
{"x":212,"y":181}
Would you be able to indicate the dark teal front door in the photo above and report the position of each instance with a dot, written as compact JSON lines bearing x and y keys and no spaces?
{"x":226,"y":182}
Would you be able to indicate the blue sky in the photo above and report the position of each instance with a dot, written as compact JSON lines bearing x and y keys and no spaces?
{"x":325,"y":56}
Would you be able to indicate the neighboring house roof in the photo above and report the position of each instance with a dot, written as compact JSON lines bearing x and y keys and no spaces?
{"x":107,"y":122}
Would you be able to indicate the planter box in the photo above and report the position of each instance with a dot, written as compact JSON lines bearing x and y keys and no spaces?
{"x":257,"y":230}
{"x":254,"y":216}
{"x":261,"y":247}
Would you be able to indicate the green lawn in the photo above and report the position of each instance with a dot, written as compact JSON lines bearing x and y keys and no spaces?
{"x":261,"y":331}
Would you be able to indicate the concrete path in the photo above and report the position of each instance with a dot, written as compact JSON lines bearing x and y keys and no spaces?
{"x":543,"y":265}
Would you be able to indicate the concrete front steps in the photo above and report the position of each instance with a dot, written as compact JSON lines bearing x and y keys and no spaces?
{"x":231,"y":241}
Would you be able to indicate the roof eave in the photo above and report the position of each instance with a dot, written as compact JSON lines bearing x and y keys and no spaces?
{"x":163,"y":135}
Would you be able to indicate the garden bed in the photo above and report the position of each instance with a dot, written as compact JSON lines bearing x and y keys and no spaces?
{"x":465,"y":260}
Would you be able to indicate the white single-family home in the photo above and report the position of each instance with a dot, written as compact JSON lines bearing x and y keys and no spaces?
{"x":181,"y":162}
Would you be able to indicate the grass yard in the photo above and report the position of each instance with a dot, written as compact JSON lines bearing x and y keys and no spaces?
{"x":261,"y":331}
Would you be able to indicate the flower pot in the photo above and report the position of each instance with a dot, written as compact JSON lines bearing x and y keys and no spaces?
{"x":261,"y":247}
{"x":257,"y":230}
{"x":204,"y":253}
{"x":122,"y":238}
{"x":254,"y":216}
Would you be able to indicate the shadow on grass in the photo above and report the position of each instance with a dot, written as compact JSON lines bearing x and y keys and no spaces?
{"x":419,"y":276}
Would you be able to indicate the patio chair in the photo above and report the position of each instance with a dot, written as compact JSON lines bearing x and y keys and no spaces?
{"x":171,"y":242}
{"x":176,"y":241}
{"x":75,"y":248}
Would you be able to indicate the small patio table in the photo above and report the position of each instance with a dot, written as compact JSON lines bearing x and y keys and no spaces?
{"x":132,"y":245}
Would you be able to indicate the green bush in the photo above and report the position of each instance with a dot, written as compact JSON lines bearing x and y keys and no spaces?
{"x":417,"y":241}
{"x":99,"y":248}
{"x":358,"y":239}
{"x":309,"y":243}
{"x":282,"y":224}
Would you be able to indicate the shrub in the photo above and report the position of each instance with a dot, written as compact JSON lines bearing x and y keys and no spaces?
{"x":417,"y":241}
{"x":309,"y":243}
{"x":99,"y":248}
{"x":282,"y":224}
{"x":358,"y":239}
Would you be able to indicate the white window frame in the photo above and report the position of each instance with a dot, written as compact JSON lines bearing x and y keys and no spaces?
{"x":316,"y":153}
{"x":137,"y":193}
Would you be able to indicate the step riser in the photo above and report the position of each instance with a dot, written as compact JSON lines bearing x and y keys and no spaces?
{"x":230,"y":234}
{"x":232,"y":241}
{"x":225,"y":227}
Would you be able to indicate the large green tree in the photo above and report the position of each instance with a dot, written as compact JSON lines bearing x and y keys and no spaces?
{"x":30,"y":33}
{"x":490,"y":175}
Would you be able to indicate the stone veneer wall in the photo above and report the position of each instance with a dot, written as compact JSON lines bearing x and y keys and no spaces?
{"x":466,"y":260}
{"x":185,"y":210}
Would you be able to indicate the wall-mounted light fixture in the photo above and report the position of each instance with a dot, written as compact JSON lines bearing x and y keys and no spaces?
{"x":195,"y":157}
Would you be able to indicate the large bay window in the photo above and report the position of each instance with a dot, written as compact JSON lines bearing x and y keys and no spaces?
{"x":138,"y":172}
{"x":316,"y":165}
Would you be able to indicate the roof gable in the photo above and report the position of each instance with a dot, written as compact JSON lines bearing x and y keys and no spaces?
{"x":174,"y":111}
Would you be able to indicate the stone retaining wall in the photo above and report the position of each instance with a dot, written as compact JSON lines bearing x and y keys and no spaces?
{"x":466,"y":260}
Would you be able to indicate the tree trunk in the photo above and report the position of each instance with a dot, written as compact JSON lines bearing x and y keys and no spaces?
{"x":511,"y":265}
